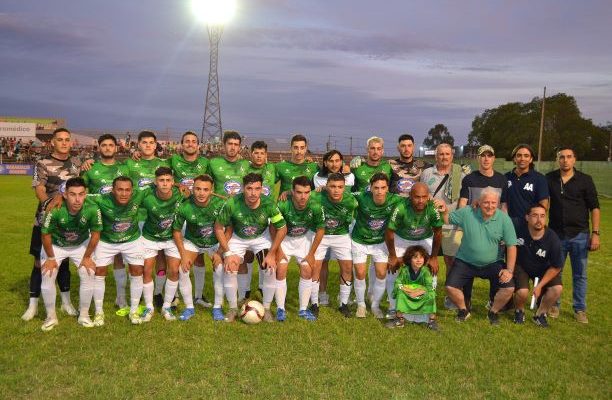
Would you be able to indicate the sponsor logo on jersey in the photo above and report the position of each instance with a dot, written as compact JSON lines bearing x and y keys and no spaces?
{"x":122,"y":226}
{"x":142,"y":182}
{"x":376,"y":224}
{"x":106,"y":189}
{"x":206,"y":231}
{"x":71,"y":236}
{"x":232,"y":187}
{"x":332,"y":223}
{"x":404,"y":185}
{"x":265,"y":190}
{"x":250,"y":230}
{"x":298,"y":231}
{"x":187,"y":182}
{"x":520,"y":241}
{"x":417,"y":231}
{"x":165,"y":223}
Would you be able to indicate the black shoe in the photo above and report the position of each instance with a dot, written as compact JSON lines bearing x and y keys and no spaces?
{"x":493,"y":318}
{"x":260,"y":290}
{"x":519,"y":317}
{"x":540,"y":320}
{"x":395,"y":323}
{"x":158,"y":300}
{"x":433,"y":325}
{"x":314,"y":309}
{"x":462,"y":315}
{"x":247,"y":294}
{"x":344,"y":310}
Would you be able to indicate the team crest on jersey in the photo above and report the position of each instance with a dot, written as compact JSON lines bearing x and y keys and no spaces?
{"x":62,"y":187}
{"x":376,"y":224}
{"x":106,"y":189}
{"x":206,"y":231}
{"x":83,"y":220}
{"x":71,"y":236}
{"x":232,"y":187}
{"x":142,"y":182}
{"x":249,"y":230}
{"x":122,"y":226}
{"x":165,"y":223}
{"x":298,"y":231}
{"x":332,"y":223}
{"x":265,"y":190}
{"x":187,"y":182}
{"x":404,"y":185}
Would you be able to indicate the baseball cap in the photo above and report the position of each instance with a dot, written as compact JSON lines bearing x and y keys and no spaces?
{"x":485,"y":148}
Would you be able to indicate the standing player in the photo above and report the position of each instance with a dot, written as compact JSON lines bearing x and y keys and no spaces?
{"x":186,"y":167}
{"x":287,"y":171}
{"x":406,"y":169}
{"x":66,"y":235}
{"x":120,"y":235}
{"x":414,"y":222}
{"x":248,"y":216}
{"x":50,"y":176}
{"x":99,"y":179}
{"x":161,"y":205}
{"x":368,"y":238}
{"x":338,"y":208}
{"x":199,"y":214}
{"x":374,"y":163}
{"x":305,"y":230}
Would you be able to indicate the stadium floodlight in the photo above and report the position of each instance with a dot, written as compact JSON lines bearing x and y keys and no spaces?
{"x":214,"y":13}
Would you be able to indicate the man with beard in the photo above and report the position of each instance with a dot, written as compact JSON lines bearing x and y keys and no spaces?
{"x":406,"y":169}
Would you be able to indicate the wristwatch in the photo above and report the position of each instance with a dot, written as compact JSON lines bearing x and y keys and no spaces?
{"x":595,"y":232}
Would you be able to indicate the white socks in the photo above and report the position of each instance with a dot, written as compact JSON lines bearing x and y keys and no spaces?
{"x":147,"y":294}
{"x":304,"y":291}
{"x":218,"y":285}
{"x":390,"y":284}
{"x":314,"y":292}
{"x":269,"y":287}
{"x":281,"y":293}
{"x":98,"y":294}
{"x":170,"y":292}
{"x":360,"y":288}
{"x":345,"y":292}
{"x":160,"y":281}
{"x":136,"y":288}
{"x":243,"y":283}
{"x":185,"y":288}
{"x":199,"y":277}
{"x":378,"y":291}
{"x":49,"y":292}
{"x":230,"y":284}
{"x":260,"y":277}
{"x":121,"y":281}
{"x":86,"y":289}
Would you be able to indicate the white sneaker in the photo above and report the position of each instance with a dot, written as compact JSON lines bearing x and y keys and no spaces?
{"x":323,"y":299}
{"x":147,"y":315}
{"x":49,"y":324}
{"x":98,"y":319}
{"x":69,"y":309}
{"x":168,"y":314}
{"x":135,"y":319}
{"x":377,"y":313}
{"x":361,"y":312}
{"x":85,"y":321}
{"x":30,"y":313}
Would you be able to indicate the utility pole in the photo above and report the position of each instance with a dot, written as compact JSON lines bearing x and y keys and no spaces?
{"x":328,"y":144}
{"x":351,"y":148}
{"x":541,"y":128}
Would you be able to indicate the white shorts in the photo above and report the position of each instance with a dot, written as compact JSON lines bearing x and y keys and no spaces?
{"x":73,"y":253}
{"x":131,"y":252}
{"x":297,"y":247}
{"x":151,"y":248}
{"x":339,"y":245}
{"x":360,"y":252}
{"x":401,"y":245}
{"x":189,"y":246}
{"x":239,"y":246}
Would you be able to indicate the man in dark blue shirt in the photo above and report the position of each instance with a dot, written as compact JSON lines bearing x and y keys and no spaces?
{"x":526,"y":186}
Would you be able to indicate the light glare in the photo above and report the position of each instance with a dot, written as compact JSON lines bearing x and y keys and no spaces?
{"x":213,"y":12}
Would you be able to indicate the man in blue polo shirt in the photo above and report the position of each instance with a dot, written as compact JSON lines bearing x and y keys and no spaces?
{"x":478,"y":256}
{"x":538,"y":256}
{"x":526,"y":186}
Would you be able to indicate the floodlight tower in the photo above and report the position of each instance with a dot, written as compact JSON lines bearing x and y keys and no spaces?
{"x":215,"y":13}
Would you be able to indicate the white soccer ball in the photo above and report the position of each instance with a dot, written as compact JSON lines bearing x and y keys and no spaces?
{"x":252,"y":312}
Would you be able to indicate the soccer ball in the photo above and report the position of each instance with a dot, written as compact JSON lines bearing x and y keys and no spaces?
{"x":252,"y":312}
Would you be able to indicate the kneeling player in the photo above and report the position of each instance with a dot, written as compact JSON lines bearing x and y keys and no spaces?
{"x":199,"y":213}
{"x":247,"y":215}
{"x":66,"y":235}
{"x":305,"y":229}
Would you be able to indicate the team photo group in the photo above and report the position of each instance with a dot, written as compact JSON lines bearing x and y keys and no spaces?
{"x":386,"y":222}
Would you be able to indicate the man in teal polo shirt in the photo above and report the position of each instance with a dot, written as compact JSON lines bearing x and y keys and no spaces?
{"x":484,"y":228}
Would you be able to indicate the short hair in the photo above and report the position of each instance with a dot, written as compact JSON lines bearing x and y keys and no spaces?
{"x":77,"y":181}
{"x":259,"y":144}
{"x":411,"y":251}
{"x":204,"y":178}
{"x":107,"y":136}
{"x":375,"y":139}
{"x":490,"y":190}
{"x":60,"y":130}
{"x":122,"y":179}
{"x":336,"y":176}
{"x":227,"y":135}
{"x":301,"y":181}
{"x":190,"y":133}
{"x":379,"y":176}
{"x":535,"y":205}
{"x":163,"y":171}
{"x":146,"y":134}
{"x":405,"y":136}
{"x":252,"y":178}
{"x":560,"y":149}
{"x":299,"y":138}
{"x":444,"y":145}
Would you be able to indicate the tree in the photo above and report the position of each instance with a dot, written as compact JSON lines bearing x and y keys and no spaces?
{"x":510,"y":124}
{"x":436,"y":135}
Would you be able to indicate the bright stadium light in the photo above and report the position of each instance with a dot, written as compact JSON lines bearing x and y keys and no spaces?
{"x":214,"y":12}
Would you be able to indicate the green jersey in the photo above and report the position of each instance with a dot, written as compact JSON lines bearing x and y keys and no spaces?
{"x":301,"y":221}
{"x":364,"y":172}
{"x":371,"y":219}
{"x":142,"y":172}
{"x":119,"y":222}
{"x":227,"y":175}
{"x":338,"y":216}
{"x":200,"y":228}
{"x":426,"y":303}
{"x":268,"y":174}
{"x":185,"y":171}
{"x":160,"y":215}
{"x":410,"y":225}
{"x":250,"y":223}
{"x":287,"y":171}
{"x":99,"y":178}
{"x":69,"y":230}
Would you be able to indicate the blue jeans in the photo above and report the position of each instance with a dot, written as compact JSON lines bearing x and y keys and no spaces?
{"x":578,"y":249}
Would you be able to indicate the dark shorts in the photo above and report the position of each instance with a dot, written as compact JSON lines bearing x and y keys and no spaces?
{"x":522,"y":277}
{"x":36,"y":242}
{"x":462,"y":274}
